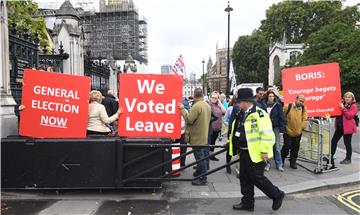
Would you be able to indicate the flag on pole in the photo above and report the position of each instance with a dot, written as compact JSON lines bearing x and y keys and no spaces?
{"x":179,"y":67}
{"x":232,"y":78}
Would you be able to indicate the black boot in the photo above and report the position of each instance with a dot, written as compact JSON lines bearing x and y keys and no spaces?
{"x":228,"y":169}
{"x":243,"y":207}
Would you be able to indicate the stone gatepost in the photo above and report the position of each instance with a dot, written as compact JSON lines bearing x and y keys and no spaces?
{"x":9,"y":121}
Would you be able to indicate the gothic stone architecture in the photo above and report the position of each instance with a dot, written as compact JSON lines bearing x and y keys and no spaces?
{"x":217,"y":72}
{"x":279,"y":55}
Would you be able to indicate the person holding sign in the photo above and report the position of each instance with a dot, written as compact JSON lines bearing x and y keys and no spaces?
{"x":345,"y":126}
{"x":198,"y":119}
{"x":98,"y":117}
{"x":296,"y":115}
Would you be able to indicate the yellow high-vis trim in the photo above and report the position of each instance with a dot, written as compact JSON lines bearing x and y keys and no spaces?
{"x":259,"y":135}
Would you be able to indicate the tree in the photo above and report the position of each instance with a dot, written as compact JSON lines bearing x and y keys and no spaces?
{"x":25,"y":15}
{"x":298,"y":19}
{"x":338,"y":42}
{"x":250,"y":58}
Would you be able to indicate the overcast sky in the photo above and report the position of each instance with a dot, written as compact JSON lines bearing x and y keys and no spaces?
{"x":194,"y":27}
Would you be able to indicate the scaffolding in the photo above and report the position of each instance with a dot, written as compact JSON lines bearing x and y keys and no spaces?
{"x":115,"y":32}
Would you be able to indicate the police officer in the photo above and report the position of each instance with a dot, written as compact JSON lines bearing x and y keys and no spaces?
{"x":253,"y":138}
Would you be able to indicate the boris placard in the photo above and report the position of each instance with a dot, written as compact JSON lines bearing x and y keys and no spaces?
{"x":150,"y":105}
{"x":320,"y":84}
{"x":56,"y":105}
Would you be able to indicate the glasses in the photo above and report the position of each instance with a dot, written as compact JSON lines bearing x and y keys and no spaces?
{"x":214,"y":97}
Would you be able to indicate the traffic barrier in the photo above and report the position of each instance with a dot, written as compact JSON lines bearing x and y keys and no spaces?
{"x":315,"y":146}
{"x":176,"y":163}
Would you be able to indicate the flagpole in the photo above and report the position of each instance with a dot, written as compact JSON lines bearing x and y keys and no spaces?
{"x":203,"y":77}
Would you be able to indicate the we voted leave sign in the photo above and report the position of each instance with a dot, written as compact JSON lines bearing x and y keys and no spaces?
{"x":56,"y":105}
{"x":320,"y":84}
{"x":150,"y":105}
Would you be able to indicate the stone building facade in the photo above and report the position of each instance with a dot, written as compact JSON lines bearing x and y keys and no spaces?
{"x":216,"y":73}
{"x":279,"y":55}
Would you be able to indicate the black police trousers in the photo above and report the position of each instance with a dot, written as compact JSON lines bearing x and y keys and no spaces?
{"x":253,"y":174}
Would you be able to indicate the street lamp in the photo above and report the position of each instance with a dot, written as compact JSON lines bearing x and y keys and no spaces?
{"x":203,"y":77}
{"x":228,"y":10}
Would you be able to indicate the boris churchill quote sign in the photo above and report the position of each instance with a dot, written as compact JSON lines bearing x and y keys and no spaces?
{"x":320,"y":84}
{"x":56,"y":105}
{"x":150,"y":105}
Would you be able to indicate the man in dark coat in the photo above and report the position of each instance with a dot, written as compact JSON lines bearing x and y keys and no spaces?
{"x":111,"y":106}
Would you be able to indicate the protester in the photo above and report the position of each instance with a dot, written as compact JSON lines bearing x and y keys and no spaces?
{"x":278,"y":121}
{"x":228,"y":112}
{"x":218,"y":110}
{"x":259,"y":97}
{"x":191,"y":100}
{"x":198,"y":119}
{"x":224,"y":101}
{"x":296,"y":117}
{"x":345,"y":126}
{"x":252,"y":137}
{"x":97,"y":117}
{"x":271,"y":88}
{"x":111,"y":107}
{"x":184,"y":130}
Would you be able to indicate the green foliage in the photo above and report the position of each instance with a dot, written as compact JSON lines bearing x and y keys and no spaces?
{"x":22,"y":16}
{"x":298,"y":19}
{"x":250,"y":58}
{"x":338,"y":42}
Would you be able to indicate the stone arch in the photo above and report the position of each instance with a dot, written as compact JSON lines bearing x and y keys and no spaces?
{"x":276,"y":63}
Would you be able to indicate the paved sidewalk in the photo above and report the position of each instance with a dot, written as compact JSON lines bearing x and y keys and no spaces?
{"x":223,"y":185}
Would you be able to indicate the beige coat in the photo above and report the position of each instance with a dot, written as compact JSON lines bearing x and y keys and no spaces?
{"x":197,"y":121}
{"x":296,"y":120}
{"x":98,"y":117}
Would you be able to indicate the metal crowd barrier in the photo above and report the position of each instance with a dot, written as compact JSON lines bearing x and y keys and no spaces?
{"x":315,"y":147}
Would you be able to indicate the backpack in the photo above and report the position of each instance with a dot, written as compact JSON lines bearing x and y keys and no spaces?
{"x":289,"y":107}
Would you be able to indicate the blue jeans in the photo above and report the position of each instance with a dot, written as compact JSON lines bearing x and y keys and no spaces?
{"x":277,"y":149}
{"x":203,"y":165}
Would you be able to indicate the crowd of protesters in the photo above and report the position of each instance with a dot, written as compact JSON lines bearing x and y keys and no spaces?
{"x":254,"y":126}
{"x":256,"y":146}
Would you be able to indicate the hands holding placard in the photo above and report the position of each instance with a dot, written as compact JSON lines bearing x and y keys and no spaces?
{"x":120,"y":111}
{"x":181,"y":106}
{"x":21,"y":107}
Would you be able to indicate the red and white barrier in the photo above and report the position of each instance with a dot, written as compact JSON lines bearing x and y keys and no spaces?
{"x":176,"y":163}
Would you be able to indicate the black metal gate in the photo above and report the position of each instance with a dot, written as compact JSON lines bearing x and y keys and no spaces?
{"x":92,"y":163}
{"x":23,"y":54}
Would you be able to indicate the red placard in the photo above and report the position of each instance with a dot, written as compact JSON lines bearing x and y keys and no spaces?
{"x":56,"y":105}
{"x":150,"y":105}
{"x":320,"y":84}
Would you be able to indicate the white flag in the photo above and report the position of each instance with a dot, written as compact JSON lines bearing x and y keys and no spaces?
{"x":232,"y":78}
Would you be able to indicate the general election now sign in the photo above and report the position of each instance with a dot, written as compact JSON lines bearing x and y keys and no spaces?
{"x":320,"y":84}
{"x":150,"y":105}
{"x":56,"y":105}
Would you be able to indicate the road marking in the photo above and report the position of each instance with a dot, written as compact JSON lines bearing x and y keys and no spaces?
{"x":346,"y":199}
{"x":73,"y":207}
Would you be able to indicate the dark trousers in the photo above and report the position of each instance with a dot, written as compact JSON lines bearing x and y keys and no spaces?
{"x":203,"y":165}
{"x":228,"y":157}
{"x":291,"y":144}
{"x":253,"y":174}
{"x":347,"y":141}
{"x":212,"y":138}
{"x":182,"y":150}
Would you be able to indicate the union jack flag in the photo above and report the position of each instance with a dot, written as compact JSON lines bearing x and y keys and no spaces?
{"x":179,"y":67}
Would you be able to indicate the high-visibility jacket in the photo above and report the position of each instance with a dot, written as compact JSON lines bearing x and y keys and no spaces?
{"x":259,"y":135}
